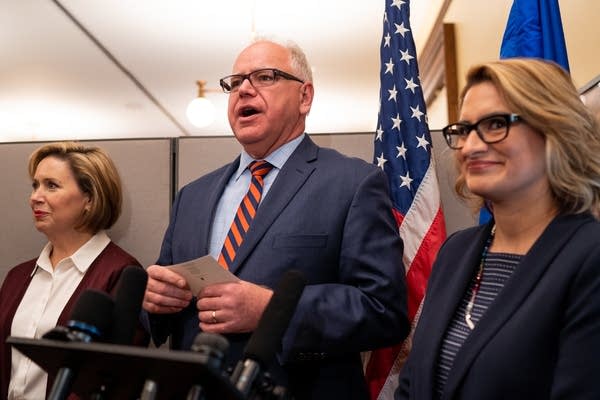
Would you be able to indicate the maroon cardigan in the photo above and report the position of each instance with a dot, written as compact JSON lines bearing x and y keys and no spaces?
{"x":103,"y":275}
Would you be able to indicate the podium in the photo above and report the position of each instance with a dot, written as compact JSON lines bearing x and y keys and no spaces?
{"x":120,"y":371}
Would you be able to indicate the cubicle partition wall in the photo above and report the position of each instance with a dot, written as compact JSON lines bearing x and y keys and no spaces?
{"x":197,"y":156}
{"x":152,"y":170}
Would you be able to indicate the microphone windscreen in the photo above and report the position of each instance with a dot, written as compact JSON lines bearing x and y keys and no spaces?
{"x":128,"y":304}
{"x":211,"y":340}
{"x":92,"y":313}
{"x":266,"y":339}
{"x":211,"y":347}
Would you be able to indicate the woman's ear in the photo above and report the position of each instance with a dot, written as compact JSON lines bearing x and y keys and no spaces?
{"x":88,"y":203}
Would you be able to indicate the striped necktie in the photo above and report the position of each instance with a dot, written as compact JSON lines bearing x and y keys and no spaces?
{"x":245,"y":213}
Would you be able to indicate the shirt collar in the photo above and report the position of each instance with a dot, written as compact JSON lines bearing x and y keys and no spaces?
{"x":277,"y":158}
{"x":82,"y":258}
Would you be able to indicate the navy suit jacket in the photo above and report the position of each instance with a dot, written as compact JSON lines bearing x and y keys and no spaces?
{"x":330,"y":217}
{"x":539,"y":339}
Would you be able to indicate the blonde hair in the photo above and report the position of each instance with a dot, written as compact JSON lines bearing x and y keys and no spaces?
{"x":543,"y":94}
{"x":96,"y":176}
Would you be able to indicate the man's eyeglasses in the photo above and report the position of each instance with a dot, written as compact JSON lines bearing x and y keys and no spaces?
{"x":491,"y":129}
{"x":259,"y":78}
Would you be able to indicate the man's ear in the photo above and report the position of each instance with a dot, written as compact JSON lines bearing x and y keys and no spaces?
{"x":307,"y":93}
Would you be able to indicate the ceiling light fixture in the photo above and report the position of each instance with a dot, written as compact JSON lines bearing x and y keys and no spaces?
{"x":201,"y":111}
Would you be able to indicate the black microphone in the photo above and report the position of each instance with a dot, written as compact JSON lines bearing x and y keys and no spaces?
{"x":128,"y":304}
{"x":211,"y":347}
{"x":266,"y":339}
{"x":90,"y":321}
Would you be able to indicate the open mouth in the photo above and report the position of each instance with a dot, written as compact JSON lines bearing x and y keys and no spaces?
{"x":248,"y":111}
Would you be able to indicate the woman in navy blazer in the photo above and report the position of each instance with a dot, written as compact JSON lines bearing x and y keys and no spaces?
{"x":512,"y":309}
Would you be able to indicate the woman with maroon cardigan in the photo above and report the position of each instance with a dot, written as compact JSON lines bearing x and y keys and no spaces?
{"x":76,"y":195}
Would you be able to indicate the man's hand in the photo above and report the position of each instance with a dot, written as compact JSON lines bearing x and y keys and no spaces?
{"x":232,"y":307}
{"x":166,"y":292}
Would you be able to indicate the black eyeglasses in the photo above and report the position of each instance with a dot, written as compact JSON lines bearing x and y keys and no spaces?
{"x":259,"y":78}
{"x":491,"y":129}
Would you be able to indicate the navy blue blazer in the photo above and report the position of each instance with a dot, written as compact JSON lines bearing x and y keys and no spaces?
{"x":539,"y":339}
{"x":330,"y":217}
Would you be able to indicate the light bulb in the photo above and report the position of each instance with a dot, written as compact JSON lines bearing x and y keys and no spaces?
{"x":201,"y":112}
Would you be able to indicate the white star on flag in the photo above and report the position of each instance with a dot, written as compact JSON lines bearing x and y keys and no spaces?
{"x":411,"y":85}
{"x":379,"y":132}
{"x":380,"y":161}
{"x":422,"y":142}
{"x":397,"y":121}
{"x":387,"y":40}
{"x":389,"y":67}
{"x":406,"y":181}
{"x":397,"y":3}
{"x":401,"y":29}
{"x":416,"y":113}
{"x":393,"y":93}
{"x":406,"y":56}
{"x":401,"y":151}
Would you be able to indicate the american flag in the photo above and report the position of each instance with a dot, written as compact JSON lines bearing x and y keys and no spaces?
{"x":403,"y":150}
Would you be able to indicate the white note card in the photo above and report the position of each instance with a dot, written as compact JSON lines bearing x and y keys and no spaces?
{"x":202,"y":272}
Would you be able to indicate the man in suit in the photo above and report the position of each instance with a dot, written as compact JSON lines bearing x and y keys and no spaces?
{"x":322,"y":213}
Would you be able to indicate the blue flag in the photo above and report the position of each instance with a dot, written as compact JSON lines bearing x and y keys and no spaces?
{"x":534,"y":29}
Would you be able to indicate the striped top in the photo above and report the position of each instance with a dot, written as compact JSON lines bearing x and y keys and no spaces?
{"x":498,"y":267}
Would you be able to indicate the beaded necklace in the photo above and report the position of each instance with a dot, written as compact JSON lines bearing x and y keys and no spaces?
{"x":478,"y":279}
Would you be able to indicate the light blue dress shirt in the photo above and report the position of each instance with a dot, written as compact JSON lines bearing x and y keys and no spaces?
{"x":238,"y":186}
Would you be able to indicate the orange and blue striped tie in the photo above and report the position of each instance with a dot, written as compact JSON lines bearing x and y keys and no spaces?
{"x":245,"y":213}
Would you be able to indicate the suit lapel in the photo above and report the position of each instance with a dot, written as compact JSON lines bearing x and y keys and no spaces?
{"x":211,"y":202}
{"x":529,"y":271}
{"x":442,"y":298}
{"x":290,"y":179}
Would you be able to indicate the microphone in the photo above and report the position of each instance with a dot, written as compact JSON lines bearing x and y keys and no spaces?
{"x":90,"y":321}
{"x":211,"y":348}
{"x":128,"y":304}
{"x":266,"y":339}
{"x":149,"y":391}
